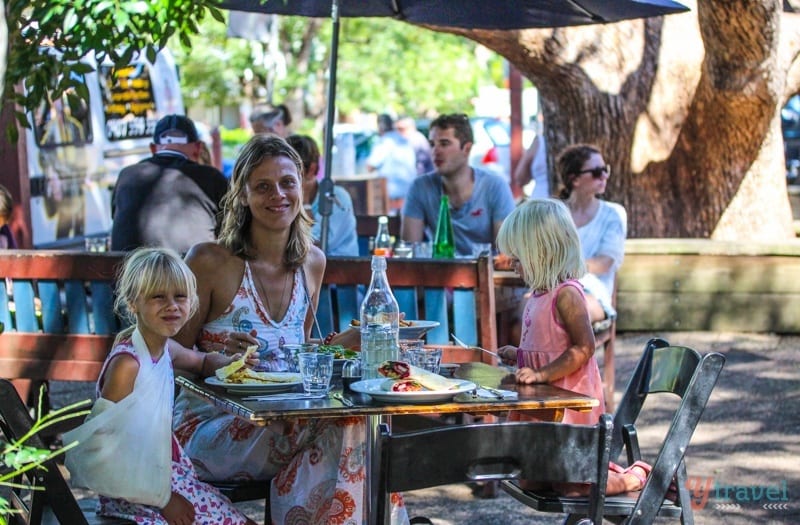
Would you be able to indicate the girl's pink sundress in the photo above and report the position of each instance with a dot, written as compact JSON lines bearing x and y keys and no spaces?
{"x":543,"y":340}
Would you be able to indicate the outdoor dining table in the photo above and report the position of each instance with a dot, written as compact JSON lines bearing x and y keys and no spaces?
{"x":261,"y":411}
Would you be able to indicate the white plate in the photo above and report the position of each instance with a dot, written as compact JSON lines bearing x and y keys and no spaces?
{"x":372,"y":387}
{"x":417,"y":329}
{"x":258,"y":388}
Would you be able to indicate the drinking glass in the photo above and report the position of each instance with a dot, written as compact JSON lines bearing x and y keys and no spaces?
{"x":423,"y":250}
{"x":292,"y":351}
{"x":408,"y":350}
{"x":429,"y":359}
{"x":316,"y":370}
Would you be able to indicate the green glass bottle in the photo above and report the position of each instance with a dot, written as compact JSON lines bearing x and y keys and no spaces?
{"x":444,"y":246}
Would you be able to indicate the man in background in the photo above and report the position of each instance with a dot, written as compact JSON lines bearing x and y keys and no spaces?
{"x":168,"y":200}
{"x":342,"y":235}
{"x":479,"y":200}
{"x":422,"y":148}
{"x":393,"y":157}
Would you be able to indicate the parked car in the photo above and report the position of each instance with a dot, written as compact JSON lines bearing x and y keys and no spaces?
{"x":790,"y":126}
{"x":492,"y":147}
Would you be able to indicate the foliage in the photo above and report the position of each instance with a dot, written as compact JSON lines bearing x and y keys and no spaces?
{"x":384,"y":66}
{"x":20,"y":457}
{"x":113,"y":30}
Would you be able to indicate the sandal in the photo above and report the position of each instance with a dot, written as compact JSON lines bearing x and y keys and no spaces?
{"x":614,"y":467}
{"x":632,"y":470}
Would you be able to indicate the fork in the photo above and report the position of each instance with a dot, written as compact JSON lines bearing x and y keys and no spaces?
{"x":462,"y":344}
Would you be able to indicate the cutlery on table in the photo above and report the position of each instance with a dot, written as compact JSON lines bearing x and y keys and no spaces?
{"x":462,"y":344}
{"x":499,"y":394}
{"x":284,"y":397}
{"x":341,"y":399}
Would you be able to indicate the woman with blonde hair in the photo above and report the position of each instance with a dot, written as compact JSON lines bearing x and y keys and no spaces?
{"x":259,"y":284}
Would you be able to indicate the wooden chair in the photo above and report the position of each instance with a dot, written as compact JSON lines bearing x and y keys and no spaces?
{"x":662,"y":369}
{"x":49,"y":499}
{"x":547,"y":452}
{"x":458,"y":293}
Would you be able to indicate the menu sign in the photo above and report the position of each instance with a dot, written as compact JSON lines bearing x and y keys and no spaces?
{"x":128,"y":103}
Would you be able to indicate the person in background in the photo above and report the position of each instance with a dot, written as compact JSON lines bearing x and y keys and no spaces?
{"x":531,"y":173}
{"x":557,"y":344}
{"x":602,"y":225}
{"x":7,"y":240}
{"x":394,"y":158}
{"x":342,"y":234}
{"x":422,"y":148}
{"x":479,"y":200}
{"x":126,"y":451}
{"x":259,"y":284}
{"x":274,"y":120}
{"x":168,"y":200}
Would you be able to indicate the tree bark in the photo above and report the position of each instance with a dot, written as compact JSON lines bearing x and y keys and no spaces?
{"x":686,"y":109}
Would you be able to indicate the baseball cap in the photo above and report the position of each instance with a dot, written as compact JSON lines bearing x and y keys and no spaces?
{"x":175,"y":129}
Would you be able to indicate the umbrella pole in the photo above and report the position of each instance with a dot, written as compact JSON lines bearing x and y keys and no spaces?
{"x":326,"y":184}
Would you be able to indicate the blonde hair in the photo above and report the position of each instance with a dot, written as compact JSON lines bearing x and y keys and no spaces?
{"x":540,"y":233}
{"x":238,"y":218}
{"x":149,"y":270}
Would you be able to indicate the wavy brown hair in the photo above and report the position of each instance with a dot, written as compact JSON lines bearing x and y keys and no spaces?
{"x":237,"y":218}
{"x":569,"y":164}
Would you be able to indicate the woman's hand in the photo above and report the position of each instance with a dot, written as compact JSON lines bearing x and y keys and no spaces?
{"x":238,"y":342}
{"x":178,"y":510}
{"x":350,"y":338}
{"x":508,"y":355}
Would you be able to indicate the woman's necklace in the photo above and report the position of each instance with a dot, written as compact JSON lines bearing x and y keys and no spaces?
{"x":272,"y":313}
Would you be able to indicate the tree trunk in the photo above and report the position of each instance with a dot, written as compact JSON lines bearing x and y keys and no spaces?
{"x":686,"y":109}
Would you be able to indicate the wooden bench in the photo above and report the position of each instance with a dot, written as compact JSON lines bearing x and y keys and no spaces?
{"x":57,"y":311}
{"x":59,"y":322}
{"x":458,"y":293}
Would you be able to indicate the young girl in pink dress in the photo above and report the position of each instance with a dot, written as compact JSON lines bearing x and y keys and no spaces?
{"x":125,"y":450}
{"x":557,"y":343}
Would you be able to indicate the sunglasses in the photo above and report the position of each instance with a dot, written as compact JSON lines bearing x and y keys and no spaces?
{"x":597,"y":172}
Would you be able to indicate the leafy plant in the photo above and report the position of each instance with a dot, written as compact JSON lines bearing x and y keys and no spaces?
{"x":20,"y":457}
{"x":48,"y":38}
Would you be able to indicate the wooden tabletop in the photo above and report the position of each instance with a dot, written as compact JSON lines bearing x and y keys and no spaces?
{"x":261,"y":412}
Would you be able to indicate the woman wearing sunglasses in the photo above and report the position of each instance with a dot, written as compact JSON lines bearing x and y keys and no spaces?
{"x":602,"y":225}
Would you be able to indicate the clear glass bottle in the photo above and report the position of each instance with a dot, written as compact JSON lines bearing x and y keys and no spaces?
{"x":380,"y":321}
{"x":383,"y":241}
{"x":444,"y":246}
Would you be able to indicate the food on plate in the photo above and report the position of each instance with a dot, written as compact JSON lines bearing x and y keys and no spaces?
{"x":245,"y":376}
{"x":234,"y":366}
{"x":402,"y":385}
{"x":429,"y":380}
{"x":338,"y":351}
{"x":403,"y":323}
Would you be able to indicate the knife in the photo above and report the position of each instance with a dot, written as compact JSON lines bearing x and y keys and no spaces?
{"x":284,"y":397}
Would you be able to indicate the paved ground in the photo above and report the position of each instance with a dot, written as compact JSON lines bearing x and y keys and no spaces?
{"x":747,"y":441}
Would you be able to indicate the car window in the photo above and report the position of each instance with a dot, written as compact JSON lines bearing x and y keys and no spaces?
{"x":498,"y":132}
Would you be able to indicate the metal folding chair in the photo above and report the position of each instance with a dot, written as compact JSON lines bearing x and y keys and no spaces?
{"x":662,"y":369}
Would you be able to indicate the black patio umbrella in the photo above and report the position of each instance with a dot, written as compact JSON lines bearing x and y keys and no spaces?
{"x":469,"y":14}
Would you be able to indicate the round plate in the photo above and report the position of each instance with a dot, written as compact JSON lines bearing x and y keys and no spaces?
{"x":417,"y":329}
{"x":258,"y":388}
{"x":372,"y":387}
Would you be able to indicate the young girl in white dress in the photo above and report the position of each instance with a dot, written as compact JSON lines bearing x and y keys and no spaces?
{"x":126,"y":451}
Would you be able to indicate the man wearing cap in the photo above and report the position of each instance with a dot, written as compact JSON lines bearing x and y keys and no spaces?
{"x":168,"y":200}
